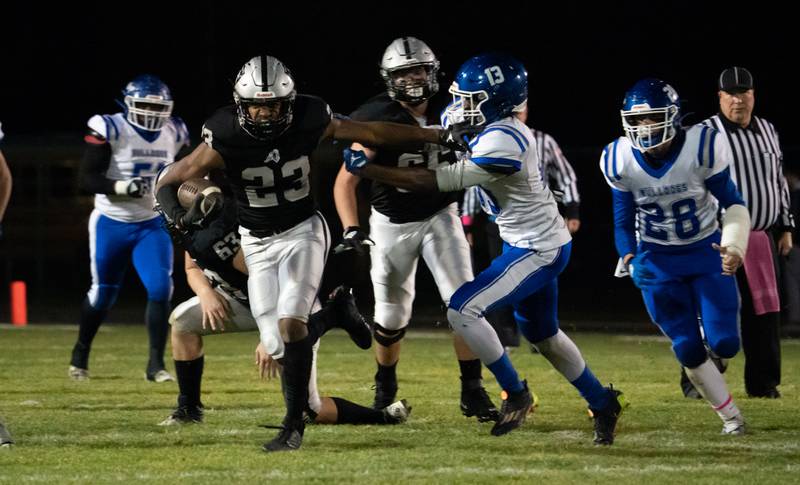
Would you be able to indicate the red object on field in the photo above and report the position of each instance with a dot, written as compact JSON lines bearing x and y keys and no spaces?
{"x":19,"y":304}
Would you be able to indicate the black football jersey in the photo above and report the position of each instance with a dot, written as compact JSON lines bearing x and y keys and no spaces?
{"x":270,"y":179}
{"x":401,"y":205}
{"x":213,"y":249}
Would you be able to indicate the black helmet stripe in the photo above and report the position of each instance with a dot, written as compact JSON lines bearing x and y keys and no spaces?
{"x":264,"y":73}
{"x":407,"y":47}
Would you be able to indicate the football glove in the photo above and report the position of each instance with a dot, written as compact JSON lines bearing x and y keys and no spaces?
{"x":354,"y":160}
{"x":354,"y":238}
{"x":134,"y":187}
{"x":642,"y":276}
{"x":457,"y":136}
{"x":204,"y":209}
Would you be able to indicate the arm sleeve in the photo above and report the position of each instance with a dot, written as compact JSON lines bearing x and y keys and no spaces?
{"x":463,"y":174}
{"x":624,"y":222}
{"x":94,"y":164}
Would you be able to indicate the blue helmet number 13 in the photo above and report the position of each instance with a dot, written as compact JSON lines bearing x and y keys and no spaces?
{"x":494,"y":75}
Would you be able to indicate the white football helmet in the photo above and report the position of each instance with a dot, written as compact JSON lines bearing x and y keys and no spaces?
{"x":264,"y":81}
{"x":405,"y":53}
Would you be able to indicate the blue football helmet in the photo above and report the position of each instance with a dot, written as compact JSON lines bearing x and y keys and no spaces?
{"x":147,"y":102}
{"x":650,"y":114}
{"x":487,"y":88}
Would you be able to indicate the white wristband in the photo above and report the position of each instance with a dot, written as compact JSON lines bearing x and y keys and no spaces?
{"x":121,"y":187}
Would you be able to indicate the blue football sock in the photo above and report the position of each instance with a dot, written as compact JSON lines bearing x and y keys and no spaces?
{"x":591,"y":389}
{"x":505,"y":374}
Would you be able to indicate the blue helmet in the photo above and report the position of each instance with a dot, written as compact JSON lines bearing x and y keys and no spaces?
{"x":650,"y":113}
{"x":487,"y":88}
{"x":147,"y":102}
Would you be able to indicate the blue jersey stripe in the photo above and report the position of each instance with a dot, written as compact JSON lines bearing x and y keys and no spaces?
{"x":519,"y":133}
{"x":614,"y":160}
{"x":711,"y":149}
{"x":605,"y":163}
{"x":702,"y":144}
{"x":501,"y":129}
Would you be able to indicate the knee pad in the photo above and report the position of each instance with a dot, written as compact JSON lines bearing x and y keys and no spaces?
{"x":103,"y":297}
{"x":690,"y":353}
{"x":726,"y":347}
{"x":387,"y":337}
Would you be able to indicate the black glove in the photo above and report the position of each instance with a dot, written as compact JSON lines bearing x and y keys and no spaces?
{"x":457,"y":136}
{"x":354,"y":238}
{"x":204,"y":209}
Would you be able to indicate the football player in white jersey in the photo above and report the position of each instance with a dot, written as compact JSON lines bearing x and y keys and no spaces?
{"x":667,"y":185}
{"x":491,"y":91}
{"x":123,"y":154}
{"x":405,"y":225}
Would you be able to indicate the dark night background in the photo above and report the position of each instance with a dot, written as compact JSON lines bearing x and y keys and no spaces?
{"x":61,"y":64}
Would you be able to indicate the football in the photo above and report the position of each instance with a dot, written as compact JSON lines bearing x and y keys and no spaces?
{"x":189,"y":190}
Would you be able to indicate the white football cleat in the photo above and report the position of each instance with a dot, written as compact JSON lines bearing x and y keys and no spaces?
{"x":78,"y":374}
{"x":397,"y":412}
{"x":734,"y":426}
{"x":160,"y":376}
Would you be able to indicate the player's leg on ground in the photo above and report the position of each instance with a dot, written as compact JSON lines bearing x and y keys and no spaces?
{"x":447,"y":253}
{"x":109,"y":253}
{"x":152,"y":258}
{"x":718,"y":300}
{"x":394,"y":266}
{"x":672,"y":307}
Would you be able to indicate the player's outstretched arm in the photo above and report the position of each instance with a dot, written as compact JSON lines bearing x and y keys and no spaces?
{"x":414,"y":179}
{"x":395,"y":135}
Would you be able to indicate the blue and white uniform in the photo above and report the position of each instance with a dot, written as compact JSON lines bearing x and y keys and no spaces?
{"x":665,"y":213}
{"x":505,"y":166}
{"x":122,"y":228}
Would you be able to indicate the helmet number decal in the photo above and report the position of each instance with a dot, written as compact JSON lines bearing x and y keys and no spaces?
{"x":277,"y":183}
{"x":495,"y":75}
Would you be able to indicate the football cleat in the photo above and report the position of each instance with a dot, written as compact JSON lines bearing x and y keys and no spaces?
{"x":513,"y":411}
{"x":184,"y":415}
{"x":289,"y":438}
{"x":159,"y":376}
{"x":385,"y":394}
{"x":734,"y":426}
{"x":5,"y":437}
{"x":78,"y":374}
{"x":605,"y":420}
{"x":475,"y":402}
{"x":349,"y":318}
{"x":397,"y":413}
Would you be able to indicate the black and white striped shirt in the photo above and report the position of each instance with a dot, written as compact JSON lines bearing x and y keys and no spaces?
{"x":757,"y":170}
{"x":554,"y":168}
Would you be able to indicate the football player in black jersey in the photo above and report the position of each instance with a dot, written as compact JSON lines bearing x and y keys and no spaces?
{"x":216,"y":272}
{"x":263,"y":142}
{"x":405,"y":226}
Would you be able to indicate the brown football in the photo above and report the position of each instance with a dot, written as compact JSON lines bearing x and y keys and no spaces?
{"x":189,"y":190}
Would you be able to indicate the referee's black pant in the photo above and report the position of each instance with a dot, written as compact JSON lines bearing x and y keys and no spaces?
{"x":760,"y":341}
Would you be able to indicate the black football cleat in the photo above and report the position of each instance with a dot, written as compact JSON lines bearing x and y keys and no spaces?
{"x":186,"y":414}
{"x":289,"y":438}
{"x":385,"y":394}
{"x":476,"y":402}
{"x":349,"y":318}
{"x":513,"y":411}
{"x":605,"y":420}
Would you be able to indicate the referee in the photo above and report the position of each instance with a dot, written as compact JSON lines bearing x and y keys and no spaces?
{"x":757,"y":171}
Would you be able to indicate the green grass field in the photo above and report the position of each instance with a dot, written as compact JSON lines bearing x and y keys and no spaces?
{"x":104,"y":430}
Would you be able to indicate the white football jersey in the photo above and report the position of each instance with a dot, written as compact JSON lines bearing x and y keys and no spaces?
{"x":673,"y":205}
{"x":133,"y":156}
{"x":1,"y":131}
{"x":524,"y":208}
